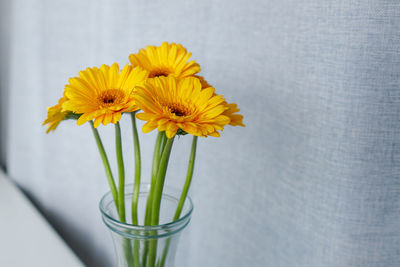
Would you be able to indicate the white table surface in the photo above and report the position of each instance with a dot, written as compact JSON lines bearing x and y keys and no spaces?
{"x":26,"y":238}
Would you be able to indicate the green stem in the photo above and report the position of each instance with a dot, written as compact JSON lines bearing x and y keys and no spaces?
{"x":136,"y":253}
{"x":183,"y":196}
{"x":121,"y":173}
{"x":147,"y":219}
{"x":155,"y":211}
{"x":162,"y":170}
{"x":127,"y":247}
{"x":106,"y":164}
{"x":163,"y":142}
{"x":136,"y":186}
{"x":156,"y":162}
{"x":188,"y":181}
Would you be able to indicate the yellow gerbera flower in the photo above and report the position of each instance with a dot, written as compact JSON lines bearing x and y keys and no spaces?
{"x":55,"y":115}
{"x":203,"y":82}
{"x":103,"y":93}
{"x":231,"y":109}
{"x":167,"y":59}
{"x":170,"y":104}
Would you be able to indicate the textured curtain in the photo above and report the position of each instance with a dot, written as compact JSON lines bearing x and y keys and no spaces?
{"x":4,"y":77}
{"x":313,"y":180}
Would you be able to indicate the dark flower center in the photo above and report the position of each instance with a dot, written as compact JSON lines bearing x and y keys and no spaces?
{"x":108,"y":99}
{"x":111,"y":96}
{"x":177,"y":109}
{"x":177,"y":112}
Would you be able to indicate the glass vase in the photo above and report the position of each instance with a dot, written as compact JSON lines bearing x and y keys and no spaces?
{"x":146,"y":246}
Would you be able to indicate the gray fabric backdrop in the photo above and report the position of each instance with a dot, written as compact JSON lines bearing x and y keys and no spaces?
{"x":313,"y":180}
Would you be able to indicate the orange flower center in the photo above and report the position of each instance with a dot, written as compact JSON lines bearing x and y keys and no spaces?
{"x":160,"y":72}
{"x":111,"y":97}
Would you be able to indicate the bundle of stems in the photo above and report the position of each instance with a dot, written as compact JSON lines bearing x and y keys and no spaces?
{"x":161,"y":155}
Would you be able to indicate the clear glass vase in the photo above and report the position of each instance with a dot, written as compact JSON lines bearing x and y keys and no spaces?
{"x":146,"y":246}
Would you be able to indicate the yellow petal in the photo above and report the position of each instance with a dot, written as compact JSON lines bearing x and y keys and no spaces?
{"x":84,"y":118}
{"x":98,"y":120}
{"x":116,"y":117}
{"x":107,"y":118}
{"x":170,"y":133}
{"x":148,"y":127}
{"x":144,"y":116}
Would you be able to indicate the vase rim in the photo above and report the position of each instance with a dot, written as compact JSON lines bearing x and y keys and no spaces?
{"x":170,"y":227}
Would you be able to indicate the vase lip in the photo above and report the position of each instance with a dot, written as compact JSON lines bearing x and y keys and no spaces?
{"x":180,"y":223}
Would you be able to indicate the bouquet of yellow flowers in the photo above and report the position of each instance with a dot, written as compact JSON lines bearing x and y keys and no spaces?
{"x":159,"y":86}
